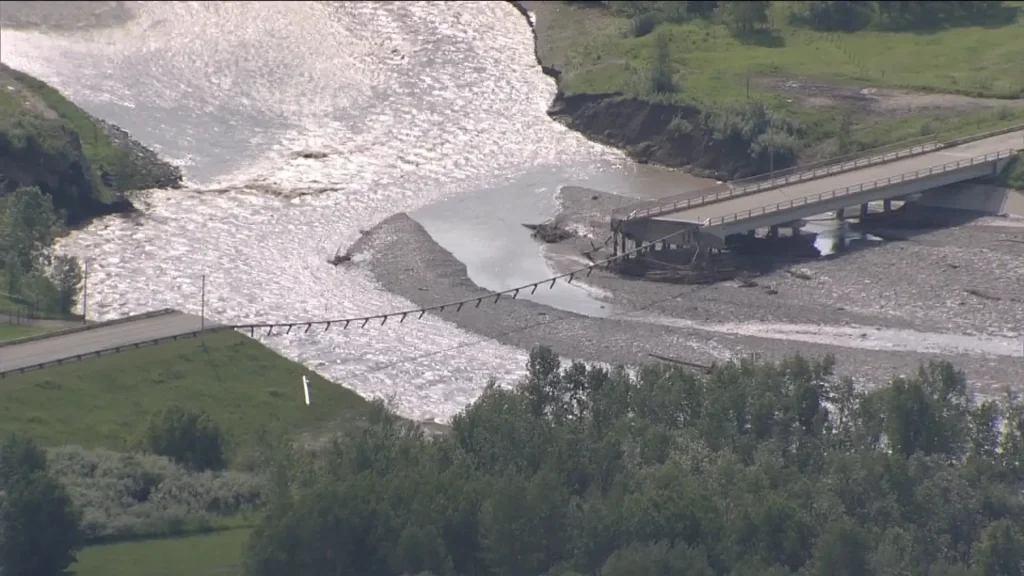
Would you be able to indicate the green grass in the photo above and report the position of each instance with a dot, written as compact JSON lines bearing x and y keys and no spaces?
{"x":712,"y":65}
{"x":216,"y":554}
{"x":943,"y":126}
{"x":106,"y":402}
{"x":15,"y":331}
{"x":97,"y":147}
{"x":1013,"y":175}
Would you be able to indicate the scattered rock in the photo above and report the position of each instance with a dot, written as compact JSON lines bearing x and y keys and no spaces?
{"x":339,"y":259}
{"x":550,"y":232}
{"x":982,"y":295}
{"x":799,"y":274}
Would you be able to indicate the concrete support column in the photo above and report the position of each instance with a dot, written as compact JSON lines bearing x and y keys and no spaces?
{"x":886,"y":205}
{"x":794,"y":231}
{"x":773,"y":232}
{"x":615,"y":244}
{"x":752,"y":233}
{"x":863,"y":210}
{"x":841,"y":214}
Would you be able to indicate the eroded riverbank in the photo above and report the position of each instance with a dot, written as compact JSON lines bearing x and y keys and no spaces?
{"x":710,"y":323}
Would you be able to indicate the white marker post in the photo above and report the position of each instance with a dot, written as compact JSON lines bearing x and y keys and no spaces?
{"x":305,"y":388}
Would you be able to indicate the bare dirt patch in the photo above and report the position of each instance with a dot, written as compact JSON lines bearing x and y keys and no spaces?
{"x":822,"y":94}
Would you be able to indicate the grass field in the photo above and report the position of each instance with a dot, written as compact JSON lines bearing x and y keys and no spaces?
{"x":15,"y":331}
{"x":216,"y":554}
{"x":597,"y":54}
{"x":106,"y":402}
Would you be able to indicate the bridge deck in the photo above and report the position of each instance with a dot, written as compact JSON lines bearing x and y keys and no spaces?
{"x":699,"y":214}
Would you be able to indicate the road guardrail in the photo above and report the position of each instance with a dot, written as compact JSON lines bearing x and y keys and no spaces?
{"x":106,"y":351}
{"x":732,"y":191}
{"x":847,"y":190}
{"x":654,"y":208}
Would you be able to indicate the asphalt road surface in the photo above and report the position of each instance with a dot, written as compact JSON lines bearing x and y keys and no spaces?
{"x":101,"y":337}
{"x":868,"y":174}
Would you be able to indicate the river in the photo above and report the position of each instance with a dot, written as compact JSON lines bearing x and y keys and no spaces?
{"x":412,"y":103}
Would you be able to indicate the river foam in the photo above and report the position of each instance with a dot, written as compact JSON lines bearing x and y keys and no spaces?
{"x":408,"y":103}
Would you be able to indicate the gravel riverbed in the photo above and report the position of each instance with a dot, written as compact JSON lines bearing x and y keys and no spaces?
{"x":860,"y":307}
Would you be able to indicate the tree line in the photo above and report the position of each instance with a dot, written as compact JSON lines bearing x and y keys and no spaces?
{"x":755,"y":469}
{"x":824,"y":15}
{"x":29,"y":225}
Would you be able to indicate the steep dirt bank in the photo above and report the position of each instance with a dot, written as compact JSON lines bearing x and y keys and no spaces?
{"x":644,"y":130}
{"x":718,"y":143}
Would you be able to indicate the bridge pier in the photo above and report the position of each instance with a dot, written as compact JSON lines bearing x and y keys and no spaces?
{"x":863,"y":211}
{"x":773,"y":232}
{"x":841,"y":214}
{"x":886,"y":205}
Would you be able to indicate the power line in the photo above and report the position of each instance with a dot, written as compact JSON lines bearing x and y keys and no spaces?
{"x":492,"y":297}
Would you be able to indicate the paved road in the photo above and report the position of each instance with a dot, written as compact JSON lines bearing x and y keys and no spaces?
{"x":867,"y":174}
{"x":101,"y":337}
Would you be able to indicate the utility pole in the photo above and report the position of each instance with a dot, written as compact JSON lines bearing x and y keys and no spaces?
{"x":85,"y":293}
{"x":202,"y":304}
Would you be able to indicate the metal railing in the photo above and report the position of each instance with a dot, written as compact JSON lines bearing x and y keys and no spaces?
{"x":854,"y":189}
{"x":732,"y":191}
{"x":796,"y":174}
{"x":106,"y":351}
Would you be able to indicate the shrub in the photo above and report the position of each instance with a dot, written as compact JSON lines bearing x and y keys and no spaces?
{"x":39,"y":526}
{"x":751,"y":139}
{"x":133,"y":495}
{"x":188,"y":437}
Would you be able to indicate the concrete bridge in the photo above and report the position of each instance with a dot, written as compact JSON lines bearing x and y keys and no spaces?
{"x":783,"y":200}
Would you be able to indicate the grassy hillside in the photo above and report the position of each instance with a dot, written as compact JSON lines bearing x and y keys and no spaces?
{"x":85,"y":164}
{"x":713,"y":64}
{"x":106,"y":402}
{"x":680,"y":88}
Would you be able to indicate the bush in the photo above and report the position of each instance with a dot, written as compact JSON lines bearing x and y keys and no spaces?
{"x":39,"y":527}
{"x":663,"y":73}
{"x":836,"y":16}
{"x":188,"y":437}
{"x":751,"y":139}
{"x":134,"y":495}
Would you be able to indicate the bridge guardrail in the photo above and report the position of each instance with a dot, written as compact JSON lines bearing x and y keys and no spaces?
{"x":802,"y":173}
{"x":111,"y":350}
{"x":983,"y":135}
{"x":840,"y":192}
{"x":753,"y":188}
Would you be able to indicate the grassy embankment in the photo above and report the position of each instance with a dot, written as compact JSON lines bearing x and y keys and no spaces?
{"x":105,"y":403}
{"x":15,"y":331}
{"x":945,"y":83}
{"x":85,"y":166}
